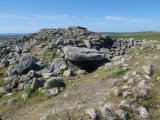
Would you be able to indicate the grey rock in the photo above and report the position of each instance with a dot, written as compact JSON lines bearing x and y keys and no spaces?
{"x":5,"y":62}
{"x":126,"y":93}
{"x":144,"y":93}
{"x":12,"y":101}
{"x":53,"y":91}
{"x":23,"y":86}
{"x":5,"y":51}
{"x":36,"y":84}
{"x":46,"y":92}
{"x":68,"y":72}
{"x":26,"y":63}
{"x":31,"y":73}
{"x":18,"y":49}
{"x":48,"y":75}
{"x":25,"y":96}
{"x":142,"y":83}
{"x":58,"y":66}
{"x":53,"y":82}
{"x":148,"y":69}
{"x":88,"y":43}
{"x":158,"y":78}
{"x":143,"y":112}
{"x":81,"y":54}
{"x":105,"y":50}
{"x":92,"y":113}
{"x":109,"y":105}
{"x":107,"y":114}
{"x":122,"y":114}
{"x":11,"y":71}
{"x":81,"y":72}
{"x":46,"y":117}
{"x":124,"y":104}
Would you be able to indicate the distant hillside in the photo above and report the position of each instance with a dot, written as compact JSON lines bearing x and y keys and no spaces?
{"x":9,"y":36}
{"x":136,"y":35}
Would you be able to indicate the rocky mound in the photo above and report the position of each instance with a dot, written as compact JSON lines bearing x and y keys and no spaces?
{"x":39,"y":61}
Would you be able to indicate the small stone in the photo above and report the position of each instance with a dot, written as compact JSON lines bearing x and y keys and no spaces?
{"x":81,"y":72}
{"x":124,"y":104}
{"x":46,"y":117}
{"x":107,"y":114}
{"x":12,"y":101}
{"x":126,"y":93}
{"x":148,"y":69}
{"x":53,"y":82}
{"x":25,"y":96}
{"x":48,"y":75}
{"x":143,"y":93}
{"x":130,"y":81}
{"x":92,"y":113}
{"x":146,"y":76}
{"x":53,"y":91}
{"x":109,"y":105}
{"x":158,"y":78}
{"x":142,"y":83}
{"x":68,"y":73}
{"x":31,"y":73}
{"x":116,"y":92}
{"x":65,"y":95}
{"x":143,"y":112}
{"x":9,"y":94}
{"x":122,"y":114}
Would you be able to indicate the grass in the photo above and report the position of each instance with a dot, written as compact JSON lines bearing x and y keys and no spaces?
{"x":120,"y":72}
{"x":136,"y":35}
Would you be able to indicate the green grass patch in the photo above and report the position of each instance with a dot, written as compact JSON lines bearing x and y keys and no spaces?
{"x":135,"y":35}
{"x":120,"y":72}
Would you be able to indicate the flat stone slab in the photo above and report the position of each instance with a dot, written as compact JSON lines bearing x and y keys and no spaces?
{"x":81,"y":54}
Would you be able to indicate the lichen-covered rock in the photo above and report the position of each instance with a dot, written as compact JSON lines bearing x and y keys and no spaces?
{"x":26,"y":63}
{"x":148,"y":69}
{"x":122,"y":114}
{"x":143,"y":112}
{"x":68,"y":72}
{"x":58,"y":66}
{"x":53,"y":82}
{"x":81,"y":54}
{"x":36,"y":84}
{"x":107,"y":114}
{"x":92,"y":113}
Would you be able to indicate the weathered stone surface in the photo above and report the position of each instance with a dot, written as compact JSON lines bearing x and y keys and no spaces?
{"x":124,"y":104}
{"x":25,"y":96}
{"x":143,"y":112}
{"x":81,"y":72}
{"x":68,"y":72}
{"x":58,"y":66}
{"x":81,"y":54}
{"x":148,"y":69}
{"x":122,"y":114}
{"x":107,"y":114}
{"x":92,"y":113}
{"x":53,"y":82}
{"x":26,"y":63}
{"x":36,"y":84}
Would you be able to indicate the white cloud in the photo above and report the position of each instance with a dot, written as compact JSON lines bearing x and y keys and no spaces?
{"x":75,"y":16}
{"x":35,"y":17}
{"x":115,"y":18}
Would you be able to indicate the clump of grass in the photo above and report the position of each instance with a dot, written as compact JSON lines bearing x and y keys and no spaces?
{"x":2,"y":94}
{"x":120,"y":72}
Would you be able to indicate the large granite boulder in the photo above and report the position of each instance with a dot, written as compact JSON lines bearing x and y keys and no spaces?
{"x":58,"y":66}
{"x":82,"y":54}
{"x":26,"y":63}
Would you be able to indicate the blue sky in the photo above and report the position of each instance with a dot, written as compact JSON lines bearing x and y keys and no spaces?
{"x":27,"y":16}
